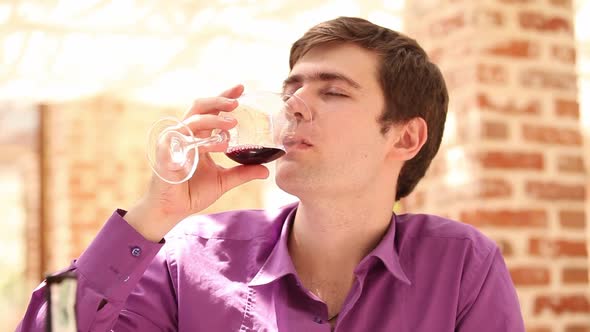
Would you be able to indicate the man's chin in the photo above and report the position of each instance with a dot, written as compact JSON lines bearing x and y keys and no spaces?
{"x":285,"y":169}
{"x":289,"y":182}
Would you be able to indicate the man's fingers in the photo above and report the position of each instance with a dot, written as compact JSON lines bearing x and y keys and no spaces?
{"x":235,"y":176}
{"x":212,"y":105}
{"x":202,"y":126}
{"x":208,"y":122}
{"x":225,"y":102}
{"x":234,"y":92}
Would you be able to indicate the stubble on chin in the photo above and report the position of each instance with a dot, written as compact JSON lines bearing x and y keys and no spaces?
{"x":292,"y":180}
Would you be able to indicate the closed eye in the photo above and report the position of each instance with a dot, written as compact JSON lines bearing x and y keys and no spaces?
{"x":335,"y":94}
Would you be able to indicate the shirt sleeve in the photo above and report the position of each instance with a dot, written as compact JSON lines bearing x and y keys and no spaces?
{"x":123,"y":284}
{"x":490,"y":303}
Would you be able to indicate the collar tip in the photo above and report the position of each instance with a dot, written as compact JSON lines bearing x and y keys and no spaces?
{"x":406,"y":281}
{"x":260,"y":281}
{"x":254,"y":283}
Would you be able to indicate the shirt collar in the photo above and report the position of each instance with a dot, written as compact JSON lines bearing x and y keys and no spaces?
{"x":279,"y":263}
{"x":386,"y":251}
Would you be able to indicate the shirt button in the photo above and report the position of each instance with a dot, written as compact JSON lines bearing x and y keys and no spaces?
{"x":318,"y":320}
{"x":136,"y":251}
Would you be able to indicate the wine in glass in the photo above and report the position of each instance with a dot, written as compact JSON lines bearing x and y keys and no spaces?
{"x":264,"y":121}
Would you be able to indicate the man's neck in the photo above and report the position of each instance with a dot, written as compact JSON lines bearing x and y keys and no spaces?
{"x":332,"y":236}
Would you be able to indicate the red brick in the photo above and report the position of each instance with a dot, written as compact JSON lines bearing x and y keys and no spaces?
{"x":462,"y":51}
{"x":506,"y":218}
{"x":511,"y":160}
{"x":487,"y":17}
{"x":447,"y":25}
{"x":519,"y":2}
{"x":82,"y":165}
{"x":508,"y":106}
{"x":75,"y":181}
{"x":547,"y":79}
{"x":494,"y":130}
{"x":552,"y":135}
{"x":564,"y":54}
{"x":557,"y":248}
{"x":567,"y":108}
{"x":559,"y":304}
{"x":571,"y":164}
{"x":83,"y":226}
{"x":492,"y":74}
{"x":83,"y":196}
{"x":572,"y":219}
{"x":517,"y":48}
{"x":493,"y":188}
{"x":567,"y":4}
{"x":530,"y":276}
{"x":530,"y":20}
{"x":577,"y":328}
{"x":538,"y":329}
{"x":554,"y":191}
{"x":505,"y":247}
{"x":575,"y":275}
{"x":482,"y":188}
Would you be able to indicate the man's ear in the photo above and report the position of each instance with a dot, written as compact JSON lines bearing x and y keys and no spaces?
{"x":410,"y":138}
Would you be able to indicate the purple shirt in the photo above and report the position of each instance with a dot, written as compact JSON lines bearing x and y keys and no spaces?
{"x":232,"y":272}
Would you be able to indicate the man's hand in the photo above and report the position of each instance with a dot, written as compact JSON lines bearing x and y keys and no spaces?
{"x":164,"y":205}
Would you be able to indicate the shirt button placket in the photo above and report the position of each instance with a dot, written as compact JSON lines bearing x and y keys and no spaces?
{"x":318,"y":320}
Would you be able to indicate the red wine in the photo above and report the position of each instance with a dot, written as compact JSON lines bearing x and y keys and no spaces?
{"x":253,"y":154}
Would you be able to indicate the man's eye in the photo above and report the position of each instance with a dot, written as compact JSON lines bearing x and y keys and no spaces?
{"x":335,"y":94}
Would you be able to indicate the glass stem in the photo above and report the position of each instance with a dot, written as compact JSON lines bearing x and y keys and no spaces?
{"x":213,"y":139}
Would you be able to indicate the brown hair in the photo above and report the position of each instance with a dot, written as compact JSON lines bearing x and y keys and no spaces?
{"x":412,"y":85}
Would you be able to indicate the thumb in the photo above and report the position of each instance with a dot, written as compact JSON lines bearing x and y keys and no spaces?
{"x":235,"y":176}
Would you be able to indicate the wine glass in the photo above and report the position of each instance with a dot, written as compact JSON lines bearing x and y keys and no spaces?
{"x":264,"y":121}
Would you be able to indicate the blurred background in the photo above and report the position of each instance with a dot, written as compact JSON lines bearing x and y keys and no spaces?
{"x":81,"y":82}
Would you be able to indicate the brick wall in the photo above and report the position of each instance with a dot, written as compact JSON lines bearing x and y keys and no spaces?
{"x":512,"y":163}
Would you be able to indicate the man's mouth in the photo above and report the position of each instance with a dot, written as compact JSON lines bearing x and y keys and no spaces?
{"x":294,"y":142}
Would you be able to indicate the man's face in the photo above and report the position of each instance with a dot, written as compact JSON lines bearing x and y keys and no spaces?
{"x":347,"y":151}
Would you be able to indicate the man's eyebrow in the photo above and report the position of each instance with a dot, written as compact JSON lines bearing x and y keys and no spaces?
{"x":321,"y":76}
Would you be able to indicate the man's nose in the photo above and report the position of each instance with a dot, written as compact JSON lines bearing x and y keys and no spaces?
{"x":298,"y":108}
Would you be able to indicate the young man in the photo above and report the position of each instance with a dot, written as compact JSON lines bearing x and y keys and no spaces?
{"x":338,"y":260}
